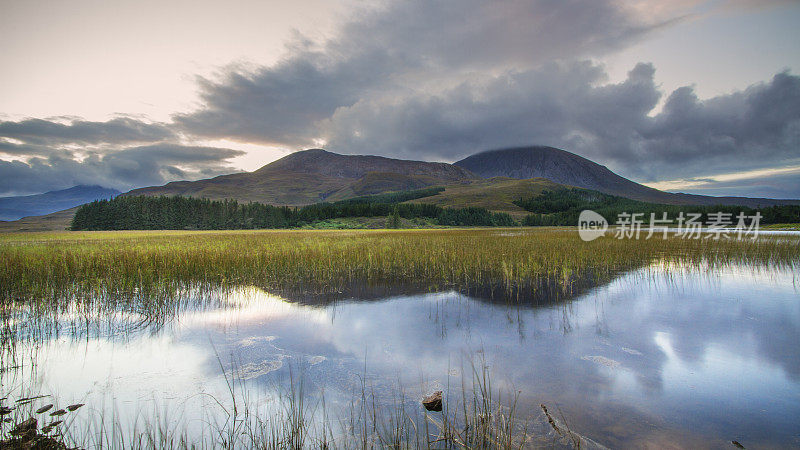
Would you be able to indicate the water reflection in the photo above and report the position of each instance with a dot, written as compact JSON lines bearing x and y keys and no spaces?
{"x":682,"y":357}
{"x":541,"y":291}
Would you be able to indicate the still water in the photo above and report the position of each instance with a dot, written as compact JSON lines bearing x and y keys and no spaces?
{"x":679,"y":357}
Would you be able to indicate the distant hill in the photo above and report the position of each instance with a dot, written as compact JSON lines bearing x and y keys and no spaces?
{"x":570,"y":169}
{"x":311,"y":176}
{"x":13,"y":208}
{"x":57,"y":221}
{"x":492,"y":179}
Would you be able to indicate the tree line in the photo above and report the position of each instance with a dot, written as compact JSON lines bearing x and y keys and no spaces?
{"x":562,"y":207}
{"x":157,"y":213}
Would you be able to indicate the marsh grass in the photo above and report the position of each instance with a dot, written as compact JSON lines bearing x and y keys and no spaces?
{"x":479,"y":419}
{"x":152,"y":266}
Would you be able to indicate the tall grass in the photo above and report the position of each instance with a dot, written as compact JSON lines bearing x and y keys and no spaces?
{"x":478,"y":419}
{"x":93,"y":276}
{"x":157,"y":274}
{"x":106,"y":265}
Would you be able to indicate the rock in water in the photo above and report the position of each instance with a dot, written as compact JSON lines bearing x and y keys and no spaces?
{"x":26,"y":428}
{"x":433,"y":402}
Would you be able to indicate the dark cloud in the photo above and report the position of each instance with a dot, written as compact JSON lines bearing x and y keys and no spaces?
{"x":755,"y":128}
{"x":567,"y":106}
{"x":400,"y":49}
{"x":124,"y":169}
{"x":120,"y":130}
{"x":558,"y":104}
{"x":14,"y":149}
{"x":279,"y":105}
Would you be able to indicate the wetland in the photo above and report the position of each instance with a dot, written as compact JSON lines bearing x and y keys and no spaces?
{"x":332,"y":339}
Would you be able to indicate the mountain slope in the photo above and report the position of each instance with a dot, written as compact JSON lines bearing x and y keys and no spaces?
{"x":13,"y":208}
{"x":311,"y":176}
{"x":57,"y":221}
{"x":494,"y":194}
{"x":570,"y":169}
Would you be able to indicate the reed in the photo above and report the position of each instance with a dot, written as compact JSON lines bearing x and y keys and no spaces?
{"x":298,"y":420}
{"x":108,"y":265}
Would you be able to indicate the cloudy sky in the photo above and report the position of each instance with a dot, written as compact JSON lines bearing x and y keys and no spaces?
{"x":686,"y":95}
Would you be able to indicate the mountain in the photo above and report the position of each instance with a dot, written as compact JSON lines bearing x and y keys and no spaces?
{"x":13,"y":208}
{"x":492,"y":179}
{"x":570,"y":169}
{"x":311,"y":176}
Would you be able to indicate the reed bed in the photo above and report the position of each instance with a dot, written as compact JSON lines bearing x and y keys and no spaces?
{"x":92,"y":276}
{"x":476,"y":416}
{"x":79,"y":266}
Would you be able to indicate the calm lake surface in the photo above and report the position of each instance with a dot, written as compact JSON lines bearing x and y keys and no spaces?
{"x":680,"y":357}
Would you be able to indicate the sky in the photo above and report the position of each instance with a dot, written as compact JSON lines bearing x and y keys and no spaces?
{"x":685,"y":95}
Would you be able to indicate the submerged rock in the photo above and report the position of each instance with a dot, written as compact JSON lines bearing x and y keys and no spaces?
{"x":27,"y":427}
{"x":433,"y":402}
{"x":25,"y":436}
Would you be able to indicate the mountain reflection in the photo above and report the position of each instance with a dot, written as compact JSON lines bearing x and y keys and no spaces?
{"x":646,"y":353}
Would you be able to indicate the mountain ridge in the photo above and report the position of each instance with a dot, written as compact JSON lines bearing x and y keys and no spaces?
{"x":17,"y":207}
{"x":310,"y":176}
{"x":322,"y":162}
{"x":563,"y":167}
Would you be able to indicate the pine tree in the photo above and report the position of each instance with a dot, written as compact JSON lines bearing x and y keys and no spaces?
{"x":394,"y":219}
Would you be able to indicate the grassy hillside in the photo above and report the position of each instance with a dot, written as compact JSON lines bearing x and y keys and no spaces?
{"x":380,"y":182}
{"x":312,"y":176}
{"x":495,"y":194}
{"x":57,"y":221}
